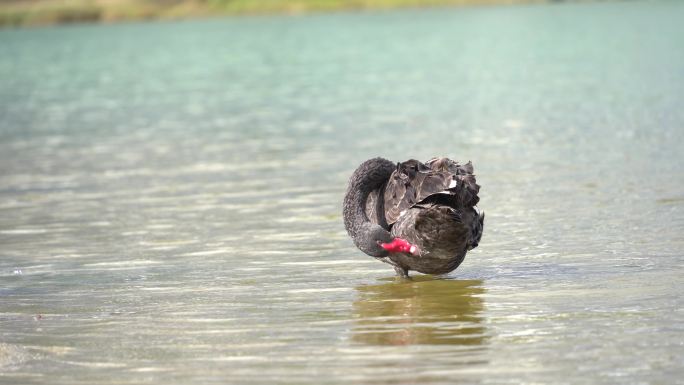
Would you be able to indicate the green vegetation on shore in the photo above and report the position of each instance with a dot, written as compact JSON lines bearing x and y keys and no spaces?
{"x":44,"y":12}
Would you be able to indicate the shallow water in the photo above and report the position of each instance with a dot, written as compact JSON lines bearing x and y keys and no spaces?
{"x":170,"y":197}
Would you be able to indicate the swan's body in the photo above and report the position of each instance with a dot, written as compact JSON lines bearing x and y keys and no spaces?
{"x":413,"y":215}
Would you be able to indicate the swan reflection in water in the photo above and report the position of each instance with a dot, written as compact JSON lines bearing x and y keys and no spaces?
{"x":424,"y":310}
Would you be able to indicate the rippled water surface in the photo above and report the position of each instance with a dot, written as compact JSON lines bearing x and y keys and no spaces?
{"x":170,"y":197}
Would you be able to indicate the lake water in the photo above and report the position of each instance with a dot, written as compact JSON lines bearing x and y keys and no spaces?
{"x":170,"y":197}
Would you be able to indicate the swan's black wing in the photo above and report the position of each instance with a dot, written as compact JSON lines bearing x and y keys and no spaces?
{"x":440,"y":235}
{"x":466,"y":188}
{"x":415,"y":182}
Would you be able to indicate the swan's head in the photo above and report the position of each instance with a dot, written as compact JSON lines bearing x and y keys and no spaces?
{"x":399,"y":245}
{"x":378,"y":242}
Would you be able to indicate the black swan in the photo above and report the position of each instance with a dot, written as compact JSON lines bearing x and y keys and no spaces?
{"x":413,"y":215}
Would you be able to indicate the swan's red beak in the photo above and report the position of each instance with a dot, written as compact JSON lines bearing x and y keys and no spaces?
{"x":399,"y":245}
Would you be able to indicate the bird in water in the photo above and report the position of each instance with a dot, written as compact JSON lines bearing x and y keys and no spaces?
{"x":413,"y":215}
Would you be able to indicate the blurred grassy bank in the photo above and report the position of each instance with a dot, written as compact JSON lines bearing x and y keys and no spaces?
{"x":44,"y":12}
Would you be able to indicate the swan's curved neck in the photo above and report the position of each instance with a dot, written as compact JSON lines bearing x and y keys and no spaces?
{"x":370,"y":175}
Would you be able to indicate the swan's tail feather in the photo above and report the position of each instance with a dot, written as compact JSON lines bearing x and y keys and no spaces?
{"x":477,"y":228}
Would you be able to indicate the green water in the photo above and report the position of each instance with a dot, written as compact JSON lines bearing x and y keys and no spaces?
{"x":170,"y":197}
